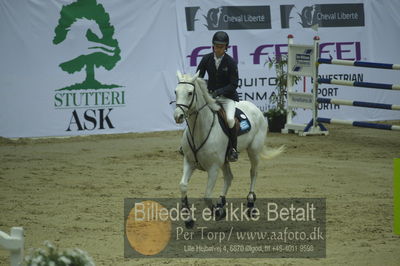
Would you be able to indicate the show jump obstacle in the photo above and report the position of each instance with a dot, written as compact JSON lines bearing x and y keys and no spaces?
{"x":303,"y":61}
{"x":14,"y":243}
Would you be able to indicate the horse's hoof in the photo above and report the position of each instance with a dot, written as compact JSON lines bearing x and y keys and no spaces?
{"x":220,"y":214}
{"x":189,"y":224}
{"x":252,"y":213}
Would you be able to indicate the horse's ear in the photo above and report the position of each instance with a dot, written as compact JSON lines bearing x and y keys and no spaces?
{"x":179,"y":75}
{"x":195,"y":76}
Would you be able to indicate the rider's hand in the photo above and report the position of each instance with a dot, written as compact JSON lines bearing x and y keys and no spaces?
{"x":216,"y":93}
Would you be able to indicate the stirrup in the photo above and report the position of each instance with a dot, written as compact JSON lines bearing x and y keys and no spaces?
{"x":233,"y":155}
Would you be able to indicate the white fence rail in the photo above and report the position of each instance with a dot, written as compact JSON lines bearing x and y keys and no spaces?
{"x":14,"y":243}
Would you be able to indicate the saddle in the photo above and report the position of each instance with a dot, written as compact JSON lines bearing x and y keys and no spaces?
{"x":242,"y":123}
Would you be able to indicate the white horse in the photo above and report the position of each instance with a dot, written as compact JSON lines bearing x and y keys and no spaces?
{"x":204,"y":143}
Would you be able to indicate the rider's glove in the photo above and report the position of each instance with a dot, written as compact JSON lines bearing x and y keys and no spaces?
{"x":216,"y":93}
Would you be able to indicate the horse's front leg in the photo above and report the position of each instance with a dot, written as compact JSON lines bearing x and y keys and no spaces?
{"x":188,"y":170}
{"x":212,"y":178}
{"x":187,"y":174}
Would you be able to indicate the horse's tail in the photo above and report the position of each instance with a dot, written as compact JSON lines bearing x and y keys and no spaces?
{"x":272,"y":153}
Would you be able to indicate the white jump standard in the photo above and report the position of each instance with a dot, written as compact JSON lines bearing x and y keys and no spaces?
{"x":302,"y":63}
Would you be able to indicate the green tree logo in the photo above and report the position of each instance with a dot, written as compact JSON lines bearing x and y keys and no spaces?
{"x":108,"y":53}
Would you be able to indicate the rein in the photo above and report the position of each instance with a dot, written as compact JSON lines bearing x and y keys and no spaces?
{"x":190,"y":140}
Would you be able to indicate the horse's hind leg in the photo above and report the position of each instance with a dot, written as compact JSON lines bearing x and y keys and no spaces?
{"x":254,"y":157}
{"x":226,"y":169}
{"x":254,"y":160}
{"x":220,"y":210}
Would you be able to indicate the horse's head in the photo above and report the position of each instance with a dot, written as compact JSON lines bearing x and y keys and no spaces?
{"x":185,"y":93}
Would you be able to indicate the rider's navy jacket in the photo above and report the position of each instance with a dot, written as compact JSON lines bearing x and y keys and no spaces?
{"x":225,"y":79}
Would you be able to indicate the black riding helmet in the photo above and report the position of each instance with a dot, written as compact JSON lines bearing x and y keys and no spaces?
{"x":221,"y":37}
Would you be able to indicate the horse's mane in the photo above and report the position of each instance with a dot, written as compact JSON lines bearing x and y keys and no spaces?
{"x":212,"y":103}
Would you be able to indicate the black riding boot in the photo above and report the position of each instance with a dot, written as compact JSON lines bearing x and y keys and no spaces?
{"x":233,"y":154}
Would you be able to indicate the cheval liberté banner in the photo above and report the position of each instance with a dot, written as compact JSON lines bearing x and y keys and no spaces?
{"x":78,"y":67}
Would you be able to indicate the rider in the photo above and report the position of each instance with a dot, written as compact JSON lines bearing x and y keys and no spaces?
{"x":222,"y":83}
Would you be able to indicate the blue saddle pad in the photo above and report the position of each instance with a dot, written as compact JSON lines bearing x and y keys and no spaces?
{"x":244,"y":122}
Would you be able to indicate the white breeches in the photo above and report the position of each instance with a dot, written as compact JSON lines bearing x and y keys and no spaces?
{"x":229,"y":107}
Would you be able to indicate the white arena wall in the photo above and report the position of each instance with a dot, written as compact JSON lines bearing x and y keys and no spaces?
{"x":98,"y":67}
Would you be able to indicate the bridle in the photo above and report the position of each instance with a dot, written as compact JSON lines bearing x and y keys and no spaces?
{"x":188,"y":107}
{"x":186,"y":114}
